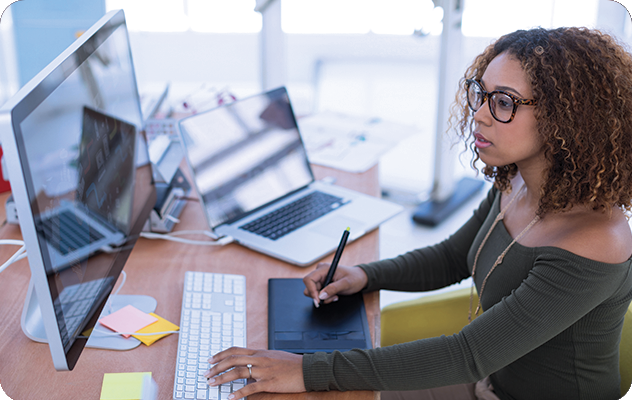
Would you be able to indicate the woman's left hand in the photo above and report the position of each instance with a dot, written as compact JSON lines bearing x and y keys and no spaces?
{"x":273,"y":371}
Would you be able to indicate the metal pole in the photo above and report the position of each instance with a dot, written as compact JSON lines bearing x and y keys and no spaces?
{"x":447,"y":195}
{"x":273,"y":61}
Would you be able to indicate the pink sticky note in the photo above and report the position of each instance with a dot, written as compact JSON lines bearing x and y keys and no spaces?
{"x":127,"y":319}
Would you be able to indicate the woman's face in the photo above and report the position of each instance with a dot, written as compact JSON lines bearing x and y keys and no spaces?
{"x":516,"y":142}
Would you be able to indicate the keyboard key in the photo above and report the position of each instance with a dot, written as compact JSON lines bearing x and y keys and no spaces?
{"x":290,"y":217}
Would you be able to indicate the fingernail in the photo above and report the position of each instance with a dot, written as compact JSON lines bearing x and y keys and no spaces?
{"x":207,"y":374}
{"x":316,"y":303}
{"x":323,"y":296}
{"x":335,"y":298}
{"x":211,"y":381}
{"x":231,"y":396}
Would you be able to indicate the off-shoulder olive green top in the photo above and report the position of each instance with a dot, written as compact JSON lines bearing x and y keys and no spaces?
{"x":550,"y":330}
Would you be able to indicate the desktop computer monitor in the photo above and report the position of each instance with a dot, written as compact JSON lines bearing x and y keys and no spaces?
{"x":81,"y":180}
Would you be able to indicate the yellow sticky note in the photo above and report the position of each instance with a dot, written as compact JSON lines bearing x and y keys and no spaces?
{"x":123,"y":386}
{"x":162,"y":325}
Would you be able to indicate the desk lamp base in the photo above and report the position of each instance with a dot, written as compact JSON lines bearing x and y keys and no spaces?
{"x":432,"y":213}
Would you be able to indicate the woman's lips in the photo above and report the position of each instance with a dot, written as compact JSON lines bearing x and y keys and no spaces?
{"x":481,"y":142}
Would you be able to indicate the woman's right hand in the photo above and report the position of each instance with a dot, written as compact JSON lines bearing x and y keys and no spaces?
{"x":346,"y":281}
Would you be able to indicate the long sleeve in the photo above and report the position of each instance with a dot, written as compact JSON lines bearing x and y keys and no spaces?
{"x":431,"y":267}
{"x":550,"y":329}
{"x":524,"y":322}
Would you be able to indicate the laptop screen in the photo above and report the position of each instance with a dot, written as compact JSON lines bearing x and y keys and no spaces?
{"x":106,"y":167}
{"x":245,"y":155}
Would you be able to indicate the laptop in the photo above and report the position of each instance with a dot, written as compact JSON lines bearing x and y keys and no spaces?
{"x":99,"y":211}
{"x":250,"y":168}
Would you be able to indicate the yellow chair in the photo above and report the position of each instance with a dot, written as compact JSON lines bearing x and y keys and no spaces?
{"x":446,"y":314}
{"x":625,"y":353}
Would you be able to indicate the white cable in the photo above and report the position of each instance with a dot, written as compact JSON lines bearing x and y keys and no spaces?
{"x":12,"y":241}
{"x":18,"y":255}
{"x":173,"y":237}
{"x":105,"y":333}
{"x":173,"y":219}
{"x":111,"y":299}
{"x":110,"y":250}
{"x":193,"y":232}
{"x":124,"y":278}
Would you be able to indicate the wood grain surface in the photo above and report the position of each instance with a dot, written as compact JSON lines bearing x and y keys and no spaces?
{"x":156,"y":268}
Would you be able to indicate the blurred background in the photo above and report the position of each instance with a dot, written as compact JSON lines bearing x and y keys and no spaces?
{"x":372,"y":59}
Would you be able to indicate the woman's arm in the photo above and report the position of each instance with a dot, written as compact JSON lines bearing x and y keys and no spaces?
{"x":558,"y":292}
{"x":428,"y":268}
{"x":431,"y":267}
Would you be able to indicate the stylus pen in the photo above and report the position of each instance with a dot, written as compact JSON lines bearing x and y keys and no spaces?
{"x":334,"y":263}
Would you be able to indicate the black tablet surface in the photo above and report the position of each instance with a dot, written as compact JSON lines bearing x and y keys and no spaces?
{"x":295,"y":325}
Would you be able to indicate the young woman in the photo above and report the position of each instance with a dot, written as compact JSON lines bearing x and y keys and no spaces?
{"x":549,"y":113}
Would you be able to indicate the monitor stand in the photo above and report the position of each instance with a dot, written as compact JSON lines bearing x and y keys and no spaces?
{"x":33,"y":325}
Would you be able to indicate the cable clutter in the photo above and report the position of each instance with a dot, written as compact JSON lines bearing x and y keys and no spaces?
{"x":173,"y":236}
{"x":17,"y":256}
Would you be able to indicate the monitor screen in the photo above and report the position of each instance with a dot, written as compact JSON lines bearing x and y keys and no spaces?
{"x":81,"y":179}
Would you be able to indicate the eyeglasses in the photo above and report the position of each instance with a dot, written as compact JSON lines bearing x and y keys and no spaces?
{"x":502,"y":105}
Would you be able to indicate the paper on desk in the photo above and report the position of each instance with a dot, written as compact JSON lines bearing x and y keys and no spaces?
{"x":128,"y":386}
{"x":127,"y":319}
{"x":349,"y":143}
{"x":162,"y":325}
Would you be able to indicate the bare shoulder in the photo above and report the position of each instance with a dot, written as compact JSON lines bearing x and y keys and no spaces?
{"x":594,"y":235}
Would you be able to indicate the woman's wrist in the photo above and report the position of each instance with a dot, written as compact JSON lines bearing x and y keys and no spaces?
{"x":364,"y":278}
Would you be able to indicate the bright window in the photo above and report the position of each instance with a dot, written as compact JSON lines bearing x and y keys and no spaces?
{"x":222,"y":16}
{"x":395,"y":17}
{"x":494,"y":18}
{"x":324,"y":16}
{"x":487,"y":18}
{"x":218,"y":16}
{"x":152,"y":15}
{"x":403,"y":17}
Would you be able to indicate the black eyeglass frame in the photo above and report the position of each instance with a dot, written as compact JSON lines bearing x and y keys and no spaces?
{"x":488,"y":95}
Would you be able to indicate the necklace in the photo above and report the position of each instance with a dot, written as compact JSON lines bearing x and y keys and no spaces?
{"x":499,"y":260}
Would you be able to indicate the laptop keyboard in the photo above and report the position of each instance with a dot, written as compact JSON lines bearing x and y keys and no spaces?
{"x":286,"y":219}
{"x":66,"y":233}
{"x":213,"y":318}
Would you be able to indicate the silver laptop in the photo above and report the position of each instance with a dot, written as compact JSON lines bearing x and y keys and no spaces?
{"x":255,"y":183}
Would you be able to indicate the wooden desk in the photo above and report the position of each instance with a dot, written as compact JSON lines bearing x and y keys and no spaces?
{"x":156,"y":268}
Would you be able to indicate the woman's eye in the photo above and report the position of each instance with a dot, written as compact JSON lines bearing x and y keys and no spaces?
{"x":504,"y":103}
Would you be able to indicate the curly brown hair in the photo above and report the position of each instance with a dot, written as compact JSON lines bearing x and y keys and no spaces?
{"x":582,"y":81}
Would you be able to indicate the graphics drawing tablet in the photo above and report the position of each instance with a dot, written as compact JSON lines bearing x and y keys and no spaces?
{"x":296,"y":326}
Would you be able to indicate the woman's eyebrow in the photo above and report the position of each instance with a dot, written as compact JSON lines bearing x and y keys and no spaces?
{"x":503,"y":88}
{"x":509,"y":89}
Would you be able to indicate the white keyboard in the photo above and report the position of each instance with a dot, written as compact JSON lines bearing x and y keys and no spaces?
{"x":213,"y":319}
